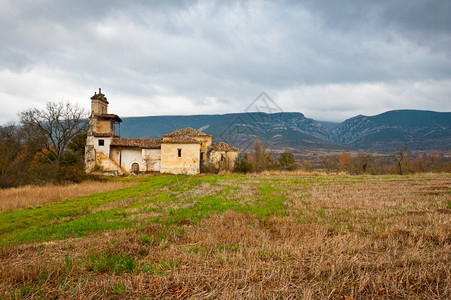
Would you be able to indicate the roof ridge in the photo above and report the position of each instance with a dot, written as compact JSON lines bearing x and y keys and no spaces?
{"x":187,"y":131}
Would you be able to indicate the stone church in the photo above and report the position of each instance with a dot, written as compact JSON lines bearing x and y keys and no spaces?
{"x":180,"y":152}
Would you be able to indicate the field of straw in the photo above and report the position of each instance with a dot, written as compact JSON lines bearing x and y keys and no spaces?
{"x":29,"y":196}
{"x":247,"y":237}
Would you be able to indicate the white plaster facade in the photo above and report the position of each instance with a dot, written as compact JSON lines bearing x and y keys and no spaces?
{"x":103,"y":144}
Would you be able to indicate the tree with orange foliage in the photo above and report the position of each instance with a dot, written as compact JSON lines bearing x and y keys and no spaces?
{"x":344,"y":161}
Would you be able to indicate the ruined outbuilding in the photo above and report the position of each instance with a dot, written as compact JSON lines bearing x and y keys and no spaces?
{"x":180,"y":152}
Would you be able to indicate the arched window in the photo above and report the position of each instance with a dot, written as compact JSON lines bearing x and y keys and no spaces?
{"x":135,"y":167}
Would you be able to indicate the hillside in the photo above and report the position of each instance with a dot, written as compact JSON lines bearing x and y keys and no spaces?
{"x":417,"y":130}
{"x":280,"y":130}
{"x":389,"y":131}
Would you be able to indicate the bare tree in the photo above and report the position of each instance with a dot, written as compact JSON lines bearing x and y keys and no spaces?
{"x":359,"y":163}
{"x":330,"y":162}
{"x":261,"y":159}
{"x":57,"y":125}
{"x":402,"y":161}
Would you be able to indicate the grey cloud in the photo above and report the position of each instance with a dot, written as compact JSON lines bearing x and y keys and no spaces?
{"x":205,"y":50}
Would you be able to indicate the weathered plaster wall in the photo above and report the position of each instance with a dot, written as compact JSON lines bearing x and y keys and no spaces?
{"x":105,"y":163}
{"x":105,"y":149}
{"x":188,"y":163}
{"x":90,"y":154}
{"x":151,"y":159}
{"x":99,"y":107}
{"x":104,"y":126}
{"x":127,"y":156}
{"x":229,"y":159}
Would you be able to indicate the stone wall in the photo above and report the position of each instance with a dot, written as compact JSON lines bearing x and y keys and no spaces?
{"x":104,"y":126}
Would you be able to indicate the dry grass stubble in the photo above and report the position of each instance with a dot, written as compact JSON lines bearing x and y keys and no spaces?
{"x":29,"y":196}
{"x":379,"y":239}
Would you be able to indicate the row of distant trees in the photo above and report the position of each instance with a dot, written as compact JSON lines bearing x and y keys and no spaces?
{"x":260,"y":159}
{"x":400,"y":162}
{"x":46,"y":146}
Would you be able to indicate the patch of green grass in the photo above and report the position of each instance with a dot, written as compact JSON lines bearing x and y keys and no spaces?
{"x":160,"y":268}
{"x":303,"y":219}
{"x":322,"y":213}
{"x":68,"y":262}
{"x":26,"y":289}
{"x":232,"y":248}
{"x":155,"y":240}
{"x":270,"y":206}
{"x":111,"y":263}
{"x":119,"y":289}
{"x":196,"y":249}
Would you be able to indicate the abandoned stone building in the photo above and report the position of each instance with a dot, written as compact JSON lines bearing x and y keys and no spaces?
{"x":180,"y":152}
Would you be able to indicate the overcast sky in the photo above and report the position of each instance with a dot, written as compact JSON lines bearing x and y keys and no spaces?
{"x":330,"y":60}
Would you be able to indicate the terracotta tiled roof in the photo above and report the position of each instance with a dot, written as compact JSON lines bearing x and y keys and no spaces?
{"x":110,"y":117}
{"x":188,"y":131}
{"x":181,"y":140}
{"x":141,"y":143}
{"x":223,"y":147}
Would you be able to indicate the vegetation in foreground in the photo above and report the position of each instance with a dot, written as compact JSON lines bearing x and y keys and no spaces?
{"x":236,"y":236}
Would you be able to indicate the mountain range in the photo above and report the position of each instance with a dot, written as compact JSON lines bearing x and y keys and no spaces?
{"x":386,"y":132}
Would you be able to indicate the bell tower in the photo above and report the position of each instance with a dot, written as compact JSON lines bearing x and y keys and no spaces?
{"x":99,"y":104}
{"x":101,"y":130}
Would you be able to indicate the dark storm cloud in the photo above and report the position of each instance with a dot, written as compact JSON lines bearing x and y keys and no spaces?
{"x":324,"y":59}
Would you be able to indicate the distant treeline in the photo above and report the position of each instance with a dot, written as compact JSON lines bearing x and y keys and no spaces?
{"x":400,"y":162}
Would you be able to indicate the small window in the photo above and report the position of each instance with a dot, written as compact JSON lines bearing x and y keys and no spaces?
{"x":222,"y":157}
{"x":101,"y":142}
{"x":179,"y":152}
{"x":135,"y":167}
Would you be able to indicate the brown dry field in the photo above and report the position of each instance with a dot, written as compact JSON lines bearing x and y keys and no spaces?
{"x":343,"y":237}
{"x":29,"y":196}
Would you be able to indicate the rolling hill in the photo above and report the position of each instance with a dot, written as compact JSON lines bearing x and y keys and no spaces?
{"x":414,"y":129}
{"x":389,"y":131}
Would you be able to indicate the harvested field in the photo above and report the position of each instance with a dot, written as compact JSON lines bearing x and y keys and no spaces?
{"x":235,"y":237}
